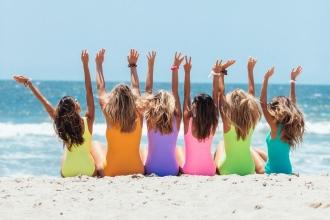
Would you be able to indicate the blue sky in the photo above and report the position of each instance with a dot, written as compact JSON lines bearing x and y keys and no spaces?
{"x":43,"y":39}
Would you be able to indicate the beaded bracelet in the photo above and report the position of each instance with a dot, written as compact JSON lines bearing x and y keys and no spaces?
{"x":132,"y":65}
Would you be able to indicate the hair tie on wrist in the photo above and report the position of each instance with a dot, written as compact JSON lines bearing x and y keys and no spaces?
{"x":174,"y":67}
{"x":224,"y":72}
{"x":212,"y":73}
{"x":132,"y":65}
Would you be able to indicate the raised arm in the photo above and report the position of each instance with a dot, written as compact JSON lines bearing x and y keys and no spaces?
{"x":216,"y":71}
{"x":294,"y":74}
{"x":132,"y":59}
{"x":28,"y":83}
{"x":100,"y":83}
{"x":250,"y":66}
{"x":175,"y":87}
{"x":263,"y":102}
{"x":186,"y":98}
{"x":222,"y":99}
{"x":90,"y":114}
{"x":150,"y":72}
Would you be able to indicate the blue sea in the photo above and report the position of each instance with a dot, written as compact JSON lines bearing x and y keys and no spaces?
{"x":29,"y":146}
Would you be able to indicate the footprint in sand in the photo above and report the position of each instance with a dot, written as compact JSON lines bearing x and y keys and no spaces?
{"x":316,"y":205}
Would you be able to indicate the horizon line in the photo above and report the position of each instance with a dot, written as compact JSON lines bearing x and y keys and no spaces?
{"x":109,"y":81}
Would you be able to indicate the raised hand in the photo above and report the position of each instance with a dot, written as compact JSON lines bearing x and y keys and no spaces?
{"x":251,"y":63}
{"x":28,"y":83}
{"x":269,"y":72}
{"x":21,"y":79}
{"x":228,"y":64}
{"x":132,"y":57}
{"x":217,"y":67}
{"x":296,"y":72}
{"x":187,"y":66}
{"x":151,"y":58}
{"x":100,"y":57}
{"x":178,"y":58}
{"x":84,"y":56}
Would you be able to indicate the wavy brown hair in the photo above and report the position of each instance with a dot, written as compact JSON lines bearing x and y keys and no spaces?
{"x":68,"y":124}
{"x":243,"y":111}
{"x":287,"y":114}
{"x":205,"y":116}
{"x":160,"y":111}
{"x":121,"y":108}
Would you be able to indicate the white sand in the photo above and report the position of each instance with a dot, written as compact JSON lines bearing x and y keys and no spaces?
{"x":186,"y":197}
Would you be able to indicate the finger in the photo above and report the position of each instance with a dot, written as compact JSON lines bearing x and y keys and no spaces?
{"x":175,"y":55}
{"x":190,"y":60}
{"x":186,"y":59}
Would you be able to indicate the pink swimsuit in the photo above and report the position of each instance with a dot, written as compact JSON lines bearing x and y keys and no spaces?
{"x":198,"y":157}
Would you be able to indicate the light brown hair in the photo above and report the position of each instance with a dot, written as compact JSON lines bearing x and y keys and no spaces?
{"x":121,"y":108}
{"x":160,"y":111}
{"x":243,"y":111}
{"x":287,"y":114}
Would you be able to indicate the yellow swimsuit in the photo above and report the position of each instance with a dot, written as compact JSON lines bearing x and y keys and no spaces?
{"x":78,"y":160}
{"x":123,"y":156}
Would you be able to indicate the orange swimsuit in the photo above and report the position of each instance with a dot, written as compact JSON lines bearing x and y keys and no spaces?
{"x":123,"y":156}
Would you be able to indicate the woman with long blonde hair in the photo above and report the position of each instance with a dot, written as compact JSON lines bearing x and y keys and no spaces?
{"x":163,"y":116}
{"x":123,"y":119}
{"x":240,"y":114}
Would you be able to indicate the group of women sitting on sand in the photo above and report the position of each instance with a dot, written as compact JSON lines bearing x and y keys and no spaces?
{"x":125,"y":110}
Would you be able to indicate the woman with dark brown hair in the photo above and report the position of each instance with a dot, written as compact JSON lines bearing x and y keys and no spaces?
{"x":81,"y":155}
{"x":200,"y":120}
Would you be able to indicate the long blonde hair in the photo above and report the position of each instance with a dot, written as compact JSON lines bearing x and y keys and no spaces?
{"x":287,"y":114}
{"x":160,"y":111}
{"x":243,"y":111}
{"x":121,"y":108}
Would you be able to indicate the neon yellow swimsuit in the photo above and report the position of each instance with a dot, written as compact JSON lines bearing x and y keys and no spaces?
{"x":236,"y":158}
{"x":79,"y":161}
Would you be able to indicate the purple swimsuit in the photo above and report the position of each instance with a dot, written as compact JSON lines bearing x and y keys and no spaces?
{"x":161,"y":158}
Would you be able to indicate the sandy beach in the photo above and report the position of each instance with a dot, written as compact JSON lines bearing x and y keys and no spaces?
{"x":193,"y":197}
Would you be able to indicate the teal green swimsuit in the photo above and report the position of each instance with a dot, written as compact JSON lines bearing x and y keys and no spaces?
{"x":278,"y":154}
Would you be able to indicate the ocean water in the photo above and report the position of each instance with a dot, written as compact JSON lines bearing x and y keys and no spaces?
{"x":29,"y":146}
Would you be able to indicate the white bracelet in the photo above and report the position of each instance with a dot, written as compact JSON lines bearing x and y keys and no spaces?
{"x":212,"y":73}
{"x":292,"y":81}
